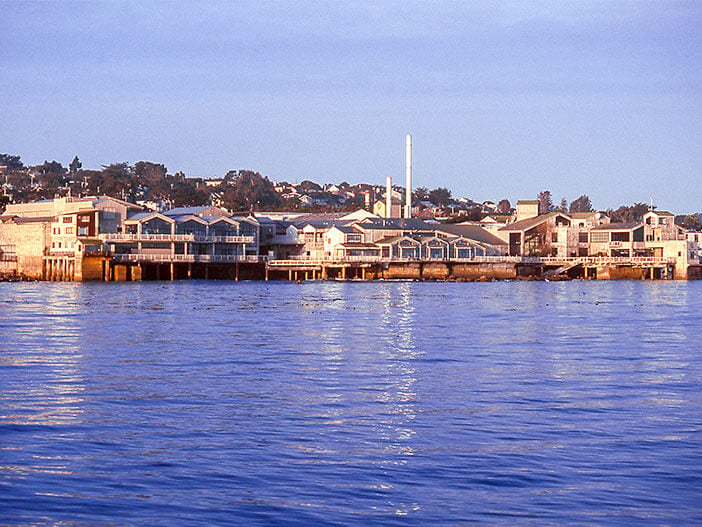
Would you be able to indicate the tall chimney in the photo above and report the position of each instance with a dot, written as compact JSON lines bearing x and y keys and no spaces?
{"x":408,"y":176}
{"x":388,"y":197}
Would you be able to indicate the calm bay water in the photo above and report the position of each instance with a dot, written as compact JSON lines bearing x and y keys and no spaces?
{"x":395,"y":403}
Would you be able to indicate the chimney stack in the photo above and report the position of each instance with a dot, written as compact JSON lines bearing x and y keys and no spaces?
{"x":408,"y":176}
{"x":388,"y":197}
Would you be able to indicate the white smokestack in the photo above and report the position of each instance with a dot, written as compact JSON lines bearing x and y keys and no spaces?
{"x":408,"y":176}
{"x":388,"y":197}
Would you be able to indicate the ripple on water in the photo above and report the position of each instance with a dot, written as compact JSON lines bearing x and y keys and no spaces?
{"x":200,"y":403}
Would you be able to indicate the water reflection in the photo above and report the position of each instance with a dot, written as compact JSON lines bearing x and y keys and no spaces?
{"x":350,"y":403}
{"x":368,"y":399}
{"x":42,"y":381}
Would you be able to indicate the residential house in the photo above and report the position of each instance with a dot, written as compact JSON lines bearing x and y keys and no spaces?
{"x":185,"y":235}
{"x":544,"y":235}
{"x":619,"y":240}
{"x":65,"y":233}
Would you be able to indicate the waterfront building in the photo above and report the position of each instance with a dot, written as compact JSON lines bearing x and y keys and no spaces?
{"x":618,"y":240}
{"x":103,"y":238}
{"x":152,"y":236}
{"x":60,"y":239}
{"x":278,"y":239}
{"x":544,"y":235}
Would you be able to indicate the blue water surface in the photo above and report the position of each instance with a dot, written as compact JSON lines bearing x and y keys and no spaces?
{"x":334,"y":403}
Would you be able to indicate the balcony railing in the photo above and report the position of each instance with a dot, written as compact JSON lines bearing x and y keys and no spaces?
{"x":186,"y":258}
{"x":177,"y":238}
{"x":62,"y":252}
{"x":534,"y":260}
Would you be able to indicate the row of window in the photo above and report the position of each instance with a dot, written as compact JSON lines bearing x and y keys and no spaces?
{"x":8,"y":253}
{"x":68,"y":231}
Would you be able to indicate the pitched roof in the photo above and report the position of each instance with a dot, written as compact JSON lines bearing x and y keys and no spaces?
{"x":189,"y":217}
{"x":581,"y":215}
{"x":196,"y":211}
{"x":530,"y":223}
{"x":392,"y":239}
{"x":471,"y":232}
{"x":345,"y":229}
{"x":143,"y":215}
{"x":416,"y":224}
{"x":618,"y":226}
{"x":33,"y":219}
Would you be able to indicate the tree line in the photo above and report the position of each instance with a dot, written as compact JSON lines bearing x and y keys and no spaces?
{"x":623,"y":214}
{"x":239,"y":190}
{"x":144,"y":180}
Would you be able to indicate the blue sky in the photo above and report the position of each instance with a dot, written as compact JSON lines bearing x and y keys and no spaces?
{"x":503,"y":99}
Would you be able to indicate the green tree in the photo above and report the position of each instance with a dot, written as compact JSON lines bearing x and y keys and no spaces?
{"x":421,"y":194}
{"x":692,"y":222}
{"x":440,"y":196}
{"x":628,"y":213}
{"x":249,"y":190}
{"x":581,"y":204}
{"x":11,"y":162}
{"x":151,"y":179}
{"x":185,"y":192}
{"x":115,"y":180}
{"x":309,"y":186}
{"x":504,"y":206}
{"x":51,"y":176}
{"x":74,"y":167}
{"x":545,"y":202}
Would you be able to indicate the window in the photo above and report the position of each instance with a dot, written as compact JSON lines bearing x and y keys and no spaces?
{"x":599,"y":237}
{"x":8,"y":253}
{"x":67,"y":219}
{"x":69,"y":230}
{"x":582,"y":237}
{"x":620,"y":237}
{"x":82,"y":231}
{"x":554,"y":237}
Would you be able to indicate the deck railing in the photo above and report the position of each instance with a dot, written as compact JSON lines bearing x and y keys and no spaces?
{"x":186,"y":258}
{"x":533,"y":260}
{"x":112,"y":237}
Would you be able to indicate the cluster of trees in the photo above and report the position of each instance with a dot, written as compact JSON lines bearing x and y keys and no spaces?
{"x":240,"y":190}
{"x":623,"y":214}
{"x":581,"y":204}
{"x":439,"y":196}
